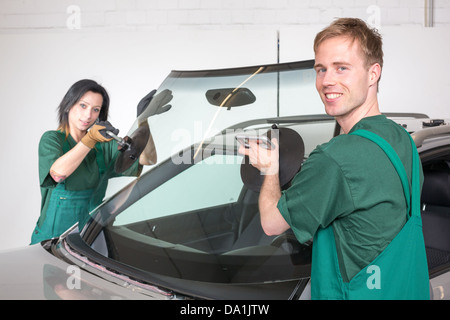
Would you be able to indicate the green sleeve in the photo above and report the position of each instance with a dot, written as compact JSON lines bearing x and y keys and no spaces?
{"x":50,"y":149}
{"x":318,"y":195}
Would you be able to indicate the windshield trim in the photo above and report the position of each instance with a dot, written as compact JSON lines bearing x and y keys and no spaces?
{"x":267,"y":68}
{"x":173,"y":286}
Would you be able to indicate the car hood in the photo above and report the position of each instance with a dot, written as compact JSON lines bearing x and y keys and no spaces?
{"x":33,"y":273}
{"x":26,"y":273}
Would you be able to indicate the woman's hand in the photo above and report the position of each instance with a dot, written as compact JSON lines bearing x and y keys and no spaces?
{"x":97,"y":133}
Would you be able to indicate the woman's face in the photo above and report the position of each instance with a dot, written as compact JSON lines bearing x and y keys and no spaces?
{"x":85,"y":112}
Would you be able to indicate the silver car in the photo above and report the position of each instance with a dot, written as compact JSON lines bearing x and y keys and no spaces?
{"x":188,"y":228}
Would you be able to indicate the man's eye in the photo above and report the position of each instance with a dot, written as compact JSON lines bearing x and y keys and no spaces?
{"x":321,"y":70}
{"x":342,"y":68}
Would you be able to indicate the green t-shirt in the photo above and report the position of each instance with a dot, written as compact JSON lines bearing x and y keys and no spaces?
{"x":86,"y":176}
{"x":350,"y":183}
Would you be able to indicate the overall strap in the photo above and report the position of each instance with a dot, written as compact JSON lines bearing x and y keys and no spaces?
{"x":413,"y":202}
{"x":402,"y":265}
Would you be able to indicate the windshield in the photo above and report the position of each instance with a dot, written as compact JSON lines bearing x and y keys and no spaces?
{"x":190,"y":217}
{"x":206,"y":102}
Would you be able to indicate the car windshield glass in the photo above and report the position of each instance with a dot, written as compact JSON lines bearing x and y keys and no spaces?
{"x":206,"y":102}
{"x":190,"y":216}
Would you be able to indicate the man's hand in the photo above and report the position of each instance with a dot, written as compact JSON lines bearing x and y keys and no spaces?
{"x":265,"y":160}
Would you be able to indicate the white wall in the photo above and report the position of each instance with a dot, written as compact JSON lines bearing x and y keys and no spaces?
{"x":416,"y":65}
{"x":131,"y":45}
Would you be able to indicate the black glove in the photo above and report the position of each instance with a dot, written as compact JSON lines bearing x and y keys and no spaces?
{"x":156,"y":104}
{"x":108,"y":127}
{"x":145,"y":101}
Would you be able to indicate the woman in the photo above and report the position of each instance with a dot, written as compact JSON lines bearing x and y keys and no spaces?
{"x":72,"y":160}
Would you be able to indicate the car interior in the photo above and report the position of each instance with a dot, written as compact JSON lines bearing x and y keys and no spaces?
{"x":226,"y":243}
{"x":436,"y":213}
{"x":230,"y":237}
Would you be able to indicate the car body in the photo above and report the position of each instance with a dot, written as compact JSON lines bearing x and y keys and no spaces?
{"x":189,"y":228}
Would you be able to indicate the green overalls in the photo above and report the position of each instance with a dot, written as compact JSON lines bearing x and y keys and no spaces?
{"x":399,"y":272}
{"x":68,"y":207}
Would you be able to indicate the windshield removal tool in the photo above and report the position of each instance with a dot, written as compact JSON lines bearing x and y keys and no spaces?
{"x":122,"y":142}
{"x":291,"y":153}
{"x":130,"y":147}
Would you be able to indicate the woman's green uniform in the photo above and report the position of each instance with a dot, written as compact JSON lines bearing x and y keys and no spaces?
{"x":69,"y":202}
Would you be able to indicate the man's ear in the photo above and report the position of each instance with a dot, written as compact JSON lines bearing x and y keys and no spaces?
{"x":374,"y":73}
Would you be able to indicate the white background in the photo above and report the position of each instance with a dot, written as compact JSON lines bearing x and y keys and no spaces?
{"x":131,"y":45}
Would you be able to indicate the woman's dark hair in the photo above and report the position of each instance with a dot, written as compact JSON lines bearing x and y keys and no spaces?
{"x":74,"y":94}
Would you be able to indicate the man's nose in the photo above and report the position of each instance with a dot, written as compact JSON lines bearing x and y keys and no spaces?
{"x":329,"y":78}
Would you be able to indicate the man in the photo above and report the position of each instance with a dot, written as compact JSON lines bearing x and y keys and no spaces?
{"x":348,"y":196}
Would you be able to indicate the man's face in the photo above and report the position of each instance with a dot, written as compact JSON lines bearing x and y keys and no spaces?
{"x":342,"y":78}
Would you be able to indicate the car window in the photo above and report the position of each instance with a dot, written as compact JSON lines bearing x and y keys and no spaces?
{"x":195,"y":221}
{"x":206,"y":102}
{"x":212,"y":182}
{"x":298,"y":94}
{"x":191,"y":217}
{"x":435,"y":205}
